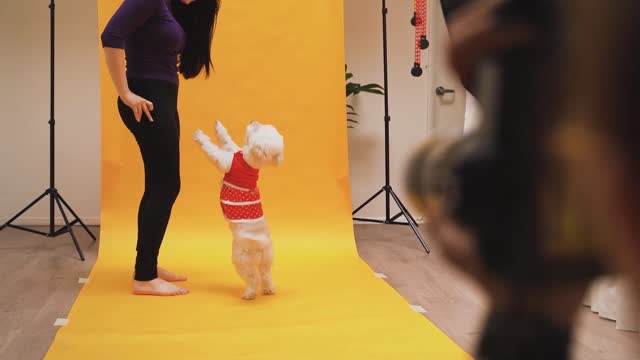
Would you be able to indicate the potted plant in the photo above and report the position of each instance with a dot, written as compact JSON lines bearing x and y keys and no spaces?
{"x":354,"y":89}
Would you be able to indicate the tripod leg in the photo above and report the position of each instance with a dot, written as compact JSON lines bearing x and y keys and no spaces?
{"x":413,"y":226}
{"x":66,"y":221}
{"x":77,"y":218}
{"x":367,"y":202}
{"x":24,"y":210}
{"x":403,"y":208}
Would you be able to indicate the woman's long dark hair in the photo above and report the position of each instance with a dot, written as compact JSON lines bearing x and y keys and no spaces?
{"x":198,"y":20}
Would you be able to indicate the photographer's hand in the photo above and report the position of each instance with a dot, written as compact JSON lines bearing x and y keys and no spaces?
{"x":476,"y":32}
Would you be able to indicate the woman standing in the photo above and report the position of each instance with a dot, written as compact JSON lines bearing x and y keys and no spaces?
{"x":160,"y":38}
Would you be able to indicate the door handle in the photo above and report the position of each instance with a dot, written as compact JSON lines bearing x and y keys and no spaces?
{"x":440,"y":91}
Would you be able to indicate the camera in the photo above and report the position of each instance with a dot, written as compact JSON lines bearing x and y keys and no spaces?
{"x":506,"y":183}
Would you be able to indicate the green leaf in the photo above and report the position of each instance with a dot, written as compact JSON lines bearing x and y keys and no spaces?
{"x":369,"y":87}
{"x":371,"y":91}
{"x":351,"y":113}
{"x":350,"y":108}
{"x":352,"y":88}
{"x":348,"y":76}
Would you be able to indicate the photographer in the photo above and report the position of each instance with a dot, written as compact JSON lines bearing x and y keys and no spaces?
{"x":499,"y":201}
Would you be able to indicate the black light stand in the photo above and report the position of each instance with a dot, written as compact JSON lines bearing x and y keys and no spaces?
{"x":387,"y":189}
{"x":54,"y":196}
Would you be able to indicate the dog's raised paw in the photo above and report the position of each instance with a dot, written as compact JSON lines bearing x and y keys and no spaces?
{"x":219,"y":127}
{"x":200,"y":136}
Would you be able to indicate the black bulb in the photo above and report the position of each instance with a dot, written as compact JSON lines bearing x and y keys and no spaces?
{"x":413,"y":19}
{"x":424,"y":43}
{"x":416,"y":71}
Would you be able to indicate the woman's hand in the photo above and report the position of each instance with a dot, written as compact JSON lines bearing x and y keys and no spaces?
{"x":116,"y":64}
{"x":139,"y":105}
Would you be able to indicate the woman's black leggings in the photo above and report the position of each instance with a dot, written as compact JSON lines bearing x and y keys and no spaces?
{"x":159,"y":146}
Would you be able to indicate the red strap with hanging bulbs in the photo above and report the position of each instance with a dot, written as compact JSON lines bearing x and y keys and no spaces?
{"x":421,"y":43}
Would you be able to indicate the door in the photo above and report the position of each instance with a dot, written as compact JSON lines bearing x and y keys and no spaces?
{"x":446,"y":97}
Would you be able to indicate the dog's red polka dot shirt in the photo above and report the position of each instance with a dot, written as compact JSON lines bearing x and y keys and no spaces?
{"x":239,"y":196}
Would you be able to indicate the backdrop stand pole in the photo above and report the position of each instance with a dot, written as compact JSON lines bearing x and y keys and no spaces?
{"x":55,"y":199}
{"x":387,"y":189}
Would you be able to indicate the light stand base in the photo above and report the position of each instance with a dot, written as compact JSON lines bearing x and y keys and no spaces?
{"x":56,"y":198}
{"x":391,"y":220}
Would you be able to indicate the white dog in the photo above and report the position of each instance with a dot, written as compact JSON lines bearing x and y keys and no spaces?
{"x":252,"y":252}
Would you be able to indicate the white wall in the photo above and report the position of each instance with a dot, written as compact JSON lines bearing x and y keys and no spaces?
{"x":407,"y":99}
{"x":24,"y":100}
{"x":24,"y":104}
{"x":472,"y":113}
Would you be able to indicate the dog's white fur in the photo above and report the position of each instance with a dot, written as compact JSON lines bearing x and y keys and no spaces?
{"x":252,"y":249}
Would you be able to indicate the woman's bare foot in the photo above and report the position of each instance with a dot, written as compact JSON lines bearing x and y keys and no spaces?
{"x":169,"y":276}
{"x":158,"y":287}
